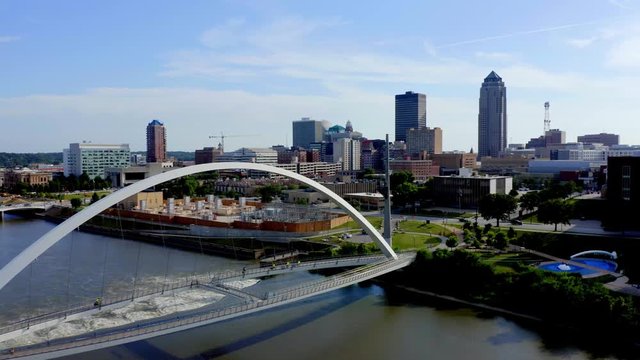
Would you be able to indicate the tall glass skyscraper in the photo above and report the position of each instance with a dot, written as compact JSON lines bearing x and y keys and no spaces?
{"x":492,"y":116}
{"x":411,"y":112}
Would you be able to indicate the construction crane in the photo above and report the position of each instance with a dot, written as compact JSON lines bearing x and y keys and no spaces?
{"x":222,"y":136}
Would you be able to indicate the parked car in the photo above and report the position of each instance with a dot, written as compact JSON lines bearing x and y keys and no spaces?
{"x":516,"y":222}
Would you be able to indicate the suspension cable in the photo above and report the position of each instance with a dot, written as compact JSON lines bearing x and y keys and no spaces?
{"x":69,"y":265}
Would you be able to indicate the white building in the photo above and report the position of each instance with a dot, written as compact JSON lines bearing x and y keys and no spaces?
{"x":252,"y":155}
{"x":94,"y":159}
{"x":347,"y":151}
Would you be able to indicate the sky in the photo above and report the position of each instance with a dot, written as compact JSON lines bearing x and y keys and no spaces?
{"x":99,"y":71}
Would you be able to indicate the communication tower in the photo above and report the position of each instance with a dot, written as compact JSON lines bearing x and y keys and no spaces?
{"x":547,"y":121}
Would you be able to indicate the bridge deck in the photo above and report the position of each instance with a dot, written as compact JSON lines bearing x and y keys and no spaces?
{"x":373,"y":266}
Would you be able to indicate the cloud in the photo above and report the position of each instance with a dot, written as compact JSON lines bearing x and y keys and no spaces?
{"x":224,"y":35}
{"x":8,"y":39}
{"x":515,"y":34}
{"x":581,"y":43}
{"x":622,"y":4}
{"x":494,"y":56}
{"x":625,"y":54}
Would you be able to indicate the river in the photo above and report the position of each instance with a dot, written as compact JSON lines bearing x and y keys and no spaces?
{"x":358,"y":322}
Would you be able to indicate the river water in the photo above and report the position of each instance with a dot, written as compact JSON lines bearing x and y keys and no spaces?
{"x":358,"y":322}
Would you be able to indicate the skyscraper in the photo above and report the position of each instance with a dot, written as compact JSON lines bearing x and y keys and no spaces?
{"x":156,"y":142}
{"x":307,"y":131}
{"x":492,"y":116}
{"x":425,"y":139}
{"x":411,"y":112}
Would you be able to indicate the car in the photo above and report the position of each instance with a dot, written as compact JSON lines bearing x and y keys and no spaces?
{"x":516,"y":222}
{"x":463,"y":220}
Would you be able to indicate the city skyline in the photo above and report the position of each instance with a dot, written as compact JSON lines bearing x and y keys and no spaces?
{"x":97,"y":72}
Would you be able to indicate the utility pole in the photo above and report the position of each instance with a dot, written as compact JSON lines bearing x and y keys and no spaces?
{"x":387,"y":196}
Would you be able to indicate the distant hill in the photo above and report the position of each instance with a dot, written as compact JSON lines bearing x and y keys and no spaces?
{"x":9,"y":160}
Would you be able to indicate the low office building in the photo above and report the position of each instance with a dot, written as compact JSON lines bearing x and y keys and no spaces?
{"x":208,"y":155}
{"x":466,"y":192}
{"x":422,"y":170}
{"x":121,"y":177}
{"x":26,"y":176}
{"x":455,"y":160}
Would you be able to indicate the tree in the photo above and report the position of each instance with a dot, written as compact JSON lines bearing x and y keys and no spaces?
{"x":511,"y":234}
{"x":94,"y":197}
{"x":497,"y":206}
{"x":513,"y":193}
{"x":400,"y":177}
{"x":501,"y":241}
{"x":451,"y":242}
{"x":404,"y":194}
{"x":268,"y":192}
{"x":555,"y":211}
{"x":469,"y":237}
{"x":530,"y":201}
{"x":76,"y":202}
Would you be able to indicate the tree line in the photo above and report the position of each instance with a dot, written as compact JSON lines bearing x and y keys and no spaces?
{"x":564,"y":299}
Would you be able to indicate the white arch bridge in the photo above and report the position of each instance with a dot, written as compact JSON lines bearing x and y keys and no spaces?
{"x":369,"y":267}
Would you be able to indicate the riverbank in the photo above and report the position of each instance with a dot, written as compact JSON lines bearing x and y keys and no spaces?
{"x":180,"y":237}
{"x":562,"y":300}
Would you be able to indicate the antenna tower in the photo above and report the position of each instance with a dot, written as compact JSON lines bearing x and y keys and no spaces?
{"x":547,"y":121}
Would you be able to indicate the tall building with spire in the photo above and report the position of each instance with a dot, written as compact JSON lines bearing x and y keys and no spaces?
{"x":156,"y":142}
{"x":411,"y":112}
{"x":492,"y":116}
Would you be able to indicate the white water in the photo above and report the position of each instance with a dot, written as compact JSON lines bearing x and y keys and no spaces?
{"x":161,"y":305}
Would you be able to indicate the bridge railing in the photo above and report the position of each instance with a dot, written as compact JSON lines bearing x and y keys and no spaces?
{"x":112,"y":334}
{"x":188,"y":281}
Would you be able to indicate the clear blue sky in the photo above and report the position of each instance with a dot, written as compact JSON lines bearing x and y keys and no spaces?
{"x":100,"y":70}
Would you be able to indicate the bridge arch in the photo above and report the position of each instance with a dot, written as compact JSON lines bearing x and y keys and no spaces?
{"x":612,"y":255}
{"x":20,"y":262}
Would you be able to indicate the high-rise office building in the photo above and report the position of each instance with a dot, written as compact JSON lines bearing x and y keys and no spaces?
{"x":492,"y":116}
{"x":411,"y":112}
{"x":424,"y":139}
{"x":307,"y":131}
{"x":156,"y":142}
{"x":348,"y":152}
{"x":94,"y":159}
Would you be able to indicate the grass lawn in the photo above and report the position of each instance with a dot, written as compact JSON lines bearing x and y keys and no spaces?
{"x":413,"y":241}
{"x":508,"y":260}
{"x":84,"y":195}
{"x":422,"y":227}
{"x":530,"y":218}
{"x":374,"y":220}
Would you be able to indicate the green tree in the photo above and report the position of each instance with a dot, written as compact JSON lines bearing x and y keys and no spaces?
{"x":511,"y":234}
{"x":501,"y":241}
{"x":94,"y":197}
{"x":469,"y":237}
{"x":497,"y":206}
{"x":400,"y":177}
{"x":530,"y":201}
{"x":76,"y":202}
{"x":555,"y":211}
{"x":513,"y":192}
{"x":451,"y":242}
{"x":404,"y":194}
{"x":268,"y":192}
